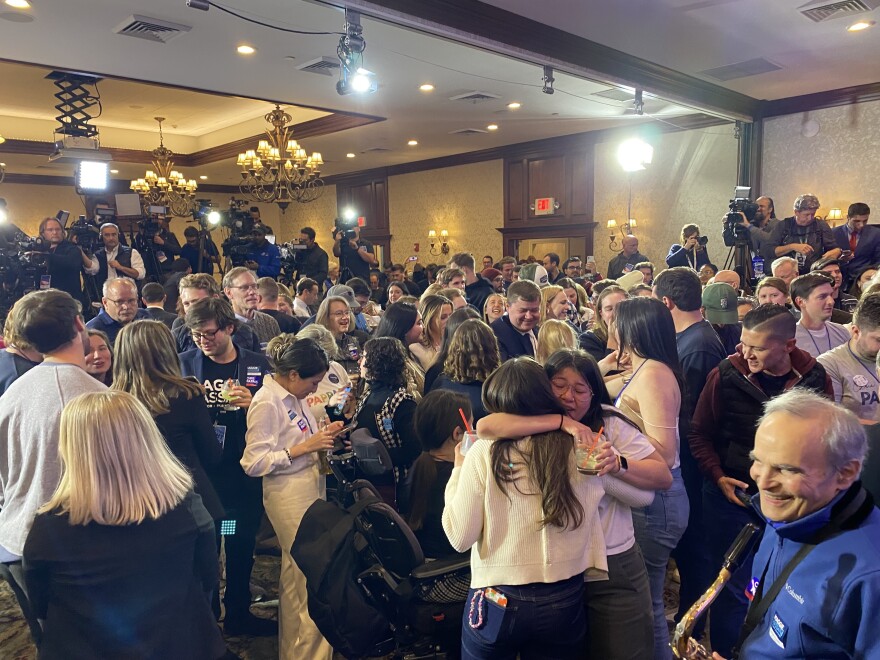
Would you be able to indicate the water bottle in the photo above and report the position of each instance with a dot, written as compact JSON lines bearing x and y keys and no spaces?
{"x":758,"y":267}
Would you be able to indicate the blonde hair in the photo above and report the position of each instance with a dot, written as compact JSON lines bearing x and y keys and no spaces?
{"x":12,"y":335}
{"x":554,"y":335}
{"x":451,"y":293}
{"x":323,"y":315}
{"x":431,"y":308}
{"x":488,"y":300}
{"x":433,"y":290}
{"x":116,"y":467}
{"x":323,"y":337}
{"x":145,"y":364}
{"x":548,"y":293}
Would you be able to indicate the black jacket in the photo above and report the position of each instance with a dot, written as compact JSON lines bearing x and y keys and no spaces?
{"x":123,"y":256}
{"x":478,"y":293}
{"x":313,"y":264}
{"x":65,"y":265}
{"x":159,"y":314}
{"x":511,"y":342}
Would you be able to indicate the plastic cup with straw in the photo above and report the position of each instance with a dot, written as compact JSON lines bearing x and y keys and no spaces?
{"x":470,"y":436}
{"x":586,"y":456}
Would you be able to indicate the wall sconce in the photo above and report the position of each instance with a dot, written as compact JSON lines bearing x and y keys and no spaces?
{"x":444,"y":242}
{"x":627,"y":229}
{"x":834,"y":214}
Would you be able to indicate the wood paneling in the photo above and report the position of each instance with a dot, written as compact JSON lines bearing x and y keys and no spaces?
{"x":367,"y":198}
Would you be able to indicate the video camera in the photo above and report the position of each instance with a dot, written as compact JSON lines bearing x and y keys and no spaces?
{"x":241,"y":225}
{"x":345,"y":226}
{"x":85,"y":233}
{"x":734,"y":233}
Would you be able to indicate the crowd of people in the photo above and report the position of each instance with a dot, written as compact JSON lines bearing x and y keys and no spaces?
{"x":628,"y":426}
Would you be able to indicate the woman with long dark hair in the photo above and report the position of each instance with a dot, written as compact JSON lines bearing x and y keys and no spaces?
{"x":403,"y":322}
{"x":618,"y":609}
{"x":435,"y":312}
{"x":652,"y":400}
{"x":532,"y":523}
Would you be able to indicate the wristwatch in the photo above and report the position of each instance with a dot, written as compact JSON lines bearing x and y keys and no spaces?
{"x":624,"y":465}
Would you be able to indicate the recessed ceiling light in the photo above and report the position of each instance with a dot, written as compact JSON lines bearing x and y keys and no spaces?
{"x":516,"y":105}
{"x":349,"y":155}
{"x":492,"y":127}
{"x":861,"y":25}
{"x":244,"y":49}
{"x":114,"y":171}
{"x":19,"y":4}
{"x":203,"y":177}
{"x":413,"y":143}
{"x":427,"y":87}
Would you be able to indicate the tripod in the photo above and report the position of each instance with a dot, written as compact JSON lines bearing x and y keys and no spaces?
{"x":739,"y":259}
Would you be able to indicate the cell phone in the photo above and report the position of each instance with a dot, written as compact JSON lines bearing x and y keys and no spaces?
{"x":744,"y":498}
{"x":345,"y":429}
{"x":846,"y":254}
{"x":412,"y":258}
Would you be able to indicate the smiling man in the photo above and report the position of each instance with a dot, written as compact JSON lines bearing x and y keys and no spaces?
{"x":515,"y":330}
{"x":767,"y":364}
{"x":819,"y":602}
{"x":813,"y":295}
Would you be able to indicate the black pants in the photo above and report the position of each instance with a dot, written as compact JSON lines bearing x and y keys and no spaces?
{"x":14,"y":575}
{"x":246,"y":512}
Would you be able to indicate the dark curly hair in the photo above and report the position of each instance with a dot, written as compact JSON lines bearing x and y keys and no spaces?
{"x":385,"y":362}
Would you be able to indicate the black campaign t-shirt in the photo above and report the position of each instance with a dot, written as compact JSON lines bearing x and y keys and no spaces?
{"x":230,"y":424}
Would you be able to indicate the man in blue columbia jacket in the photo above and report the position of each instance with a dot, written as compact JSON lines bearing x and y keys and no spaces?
{"x":807,"y":460}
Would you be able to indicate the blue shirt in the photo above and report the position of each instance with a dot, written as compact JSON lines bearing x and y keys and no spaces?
{"x":268,"y":258}
{"x":103,"y":321}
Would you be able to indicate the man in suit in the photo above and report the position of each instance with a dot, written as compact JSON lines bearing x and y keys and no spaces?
{"x":515,"y":330}
{"x":153,"y":297}
{"x":858,"y":238}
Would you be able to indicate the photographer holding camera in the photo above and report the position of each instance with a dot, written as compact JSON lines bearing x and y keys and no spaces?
{"x":691,"y":252}
{"x":803,"y":236}
{"x":66,"y":259}
{"x":355,"y":254}
{"x":761,"y":227}
{"x":312,"y":261}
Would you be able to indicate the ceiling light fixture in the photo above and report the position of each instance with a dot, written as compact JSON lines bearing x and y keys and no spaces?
{"x":861,"y":25}
{"x":413,"y":143}
{"x":492,"y":127}
{"x":2,"y":173}
{"x":548,"y":80}
{"x":19,"y":4}
{"x":166,"y":186}
{"x":244,"y":49}
{"x":516,"y":105}
{"x":114,"y":171}
{"x":269,"y":177}
{"x":353,"y":77}
{"x":427,"y":87}
{"x":349,"y":155}
{"x":203,"y":177}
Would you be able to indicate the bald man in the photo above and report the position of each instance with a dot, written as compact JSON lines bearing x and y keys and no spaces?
{"x":730,"y":277}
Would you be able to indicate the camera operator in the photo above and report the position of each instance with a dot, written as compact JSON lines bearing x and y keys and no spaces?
{"x":114,"y":260}
{"x":190,"y":251}
{"x":66,"y":259}
{"x":760,"y":230}
{"x":355,"y":253}
{"x":164,"y":244}
{"x":691,"y":252}
{"x":312,"y":262}
{"x":264,"y":257}
{"x":804,"y":237}
{"x":258,"y":221}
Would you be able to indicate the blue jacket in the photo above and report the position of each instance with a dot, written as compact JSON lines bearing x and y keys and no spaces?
{"x":829,"y":607}
{"x":678,"y":256}
{"x":103,"y":321}
{"x":268,"y":260}
{"x":511,"y":342}
{"x":192,"y":364}
{"x":867,"y":250}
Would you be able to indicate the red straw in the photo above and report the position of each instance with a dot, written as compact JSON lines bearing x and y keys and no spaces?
{"x":596,"y":439}
{"x":467,"y":426}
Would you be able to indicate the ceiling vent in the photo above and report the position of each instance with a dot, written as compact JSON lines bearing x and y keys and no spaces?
{"x":847,"y":8}
{"x":151,"y":29}
{"x":741,"y":69}
{"x":326,"y":66}
{"x":615,"y":94}
{"x":376,"y":150}
{"x":468,"y":131}
{"x":475,"y":97}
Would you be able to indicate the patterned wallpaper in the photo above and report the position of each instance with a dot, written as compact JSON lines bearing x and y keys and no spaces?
{"x":690,"y":180}
{"x":466,"y":200}
{"x":835,"y":164}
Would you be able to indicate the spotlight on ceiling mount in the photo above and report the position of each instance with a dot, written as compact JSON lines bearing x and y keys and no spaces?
{"x":548,"y":80}
{"x":353,"y":77}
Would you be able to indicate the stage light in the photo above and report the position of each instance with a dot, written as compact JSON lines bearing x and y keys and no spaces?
{"x":214,"y":218}
{"x":634,"y":154}
{"x":91,"y":176}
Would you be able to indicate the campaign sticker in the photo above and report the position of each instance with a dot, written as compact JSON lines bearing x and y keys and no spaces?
{"x":333,"y":378}
{"x":220,"y":432}
{"x":302,"y":425}
{"x":860,"y":381}
{"x":252,"y":377}
{"x":752,"y":589}
{"x":387,"y":424}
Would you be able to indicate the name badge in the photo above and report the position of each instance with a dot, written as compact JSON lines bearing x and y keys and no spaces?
{"x":252,"y":377}
{"x":387,"y":424}
{"x":778,"y":630}
{"x":220,"y":432}
{"x":302,"y":425}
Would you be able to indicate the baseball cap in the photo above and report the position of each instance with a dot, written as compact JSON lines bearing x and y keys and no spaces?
{"x":535,"y":273}
{"x":348,"y":293}
{"x":630,"y":279}
{"x":719,"y":303}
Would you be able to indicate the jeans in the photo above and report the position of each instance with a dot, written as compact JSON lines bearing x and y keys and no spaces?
{"x":620,"y":624}
{"x":539,"y":621}
{"x":658,"y":528}
{"x":723,"y":521}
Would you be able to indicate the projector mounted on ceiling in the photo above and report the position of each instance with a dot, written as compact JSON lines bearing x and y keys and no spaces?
{"x":73,"y":149}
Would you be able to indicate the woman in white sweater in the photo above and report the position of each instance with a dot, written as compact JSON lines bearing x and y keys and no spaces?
{"x":283,"y":441}
{"x":532,"y":524}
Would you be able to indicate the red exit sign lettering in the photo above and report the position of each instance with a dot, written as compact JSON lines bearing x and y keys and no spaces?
{"x":545,"y":206}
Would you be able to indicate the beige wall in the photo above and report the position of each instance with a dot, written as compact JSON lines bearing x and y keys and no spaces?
{"x":839,"y":164}
{"x":466,"y":200}
{"x":690,"y":180}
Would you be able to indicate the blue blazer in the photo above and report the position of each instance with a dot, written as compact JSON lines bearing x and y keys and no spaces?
{"x":511,"y":342}
{"x":867,"y":251}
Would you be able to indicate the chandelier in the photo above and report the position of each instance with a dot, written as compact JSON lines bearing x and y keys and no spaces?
{"x":269,"y":176}
{"x":166,"y":186}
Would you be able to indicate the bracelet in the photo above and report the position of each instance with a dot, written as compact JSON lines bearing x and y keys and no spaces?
{"x":561,"y":421}
{"x":289,"y":457}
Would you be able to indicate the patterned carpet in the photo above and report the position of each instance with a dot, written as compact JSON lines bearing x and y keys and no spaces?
{"x":15,"y":639}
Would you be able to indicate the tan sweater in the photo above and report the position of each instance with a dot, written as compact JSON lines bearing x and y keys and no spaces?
{"x":503,"y":529}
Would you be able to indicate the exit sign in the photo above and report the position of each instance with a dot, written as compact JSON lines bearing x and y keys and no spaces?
{"x":545,"y":206}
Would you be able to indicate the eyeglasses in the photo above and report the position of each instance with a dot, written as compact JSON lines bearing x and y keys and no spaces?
{"x":246,"y":287}
{"x":127,"y":302}
{"x":576,"y":390}
{"x":209,"y":335}
{"x":339,"y":315}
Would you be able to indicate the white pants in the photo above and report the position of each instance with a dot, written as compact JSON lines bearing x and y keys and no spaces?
{"x":286,"y":498}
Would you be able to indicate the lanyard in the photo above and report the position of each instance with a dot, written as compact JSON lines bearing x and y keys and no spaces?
{"x":827,"y":339}
{"x":862,"y":364}
{"x":620,"y":394}
{"x":693,"y":264}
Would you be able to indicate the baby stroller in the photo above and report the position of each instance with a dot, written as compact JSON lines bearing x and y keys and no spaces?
{"x":370,"y":590}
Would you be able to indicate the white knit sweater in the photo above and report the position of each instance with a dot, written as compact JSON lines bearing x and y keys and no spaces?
{"x":503,"y":529}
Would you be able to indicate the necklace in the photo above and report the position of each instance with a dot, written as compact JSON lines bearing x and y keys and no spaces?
{"x":862,"y":364}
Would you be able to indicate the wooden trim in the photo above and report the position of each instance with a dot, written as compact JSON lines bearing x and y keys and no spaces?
{"x":831,"y":98}
{"x":116,"y":185}
{"x":502,"y":31}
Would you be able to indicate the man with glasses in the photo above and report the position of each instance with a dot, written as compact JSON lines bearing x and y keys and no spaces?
{"x":66,"y":259}
{"x":573,"y":267}
{"x":230,"y":376}
{"x":240,"y":286}
{"x":115,"y":260}
{"x":120,"y":307}
{"x":802,"y":236}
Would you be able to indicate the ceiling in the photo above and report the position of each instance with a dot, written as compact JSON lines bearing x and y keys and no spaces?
{"x":63,"y":34}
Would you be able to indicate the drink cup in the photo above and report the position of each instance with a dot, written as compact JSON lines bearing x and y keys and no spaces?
{"x":586,"y":457}
{"x":470,"y":437}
